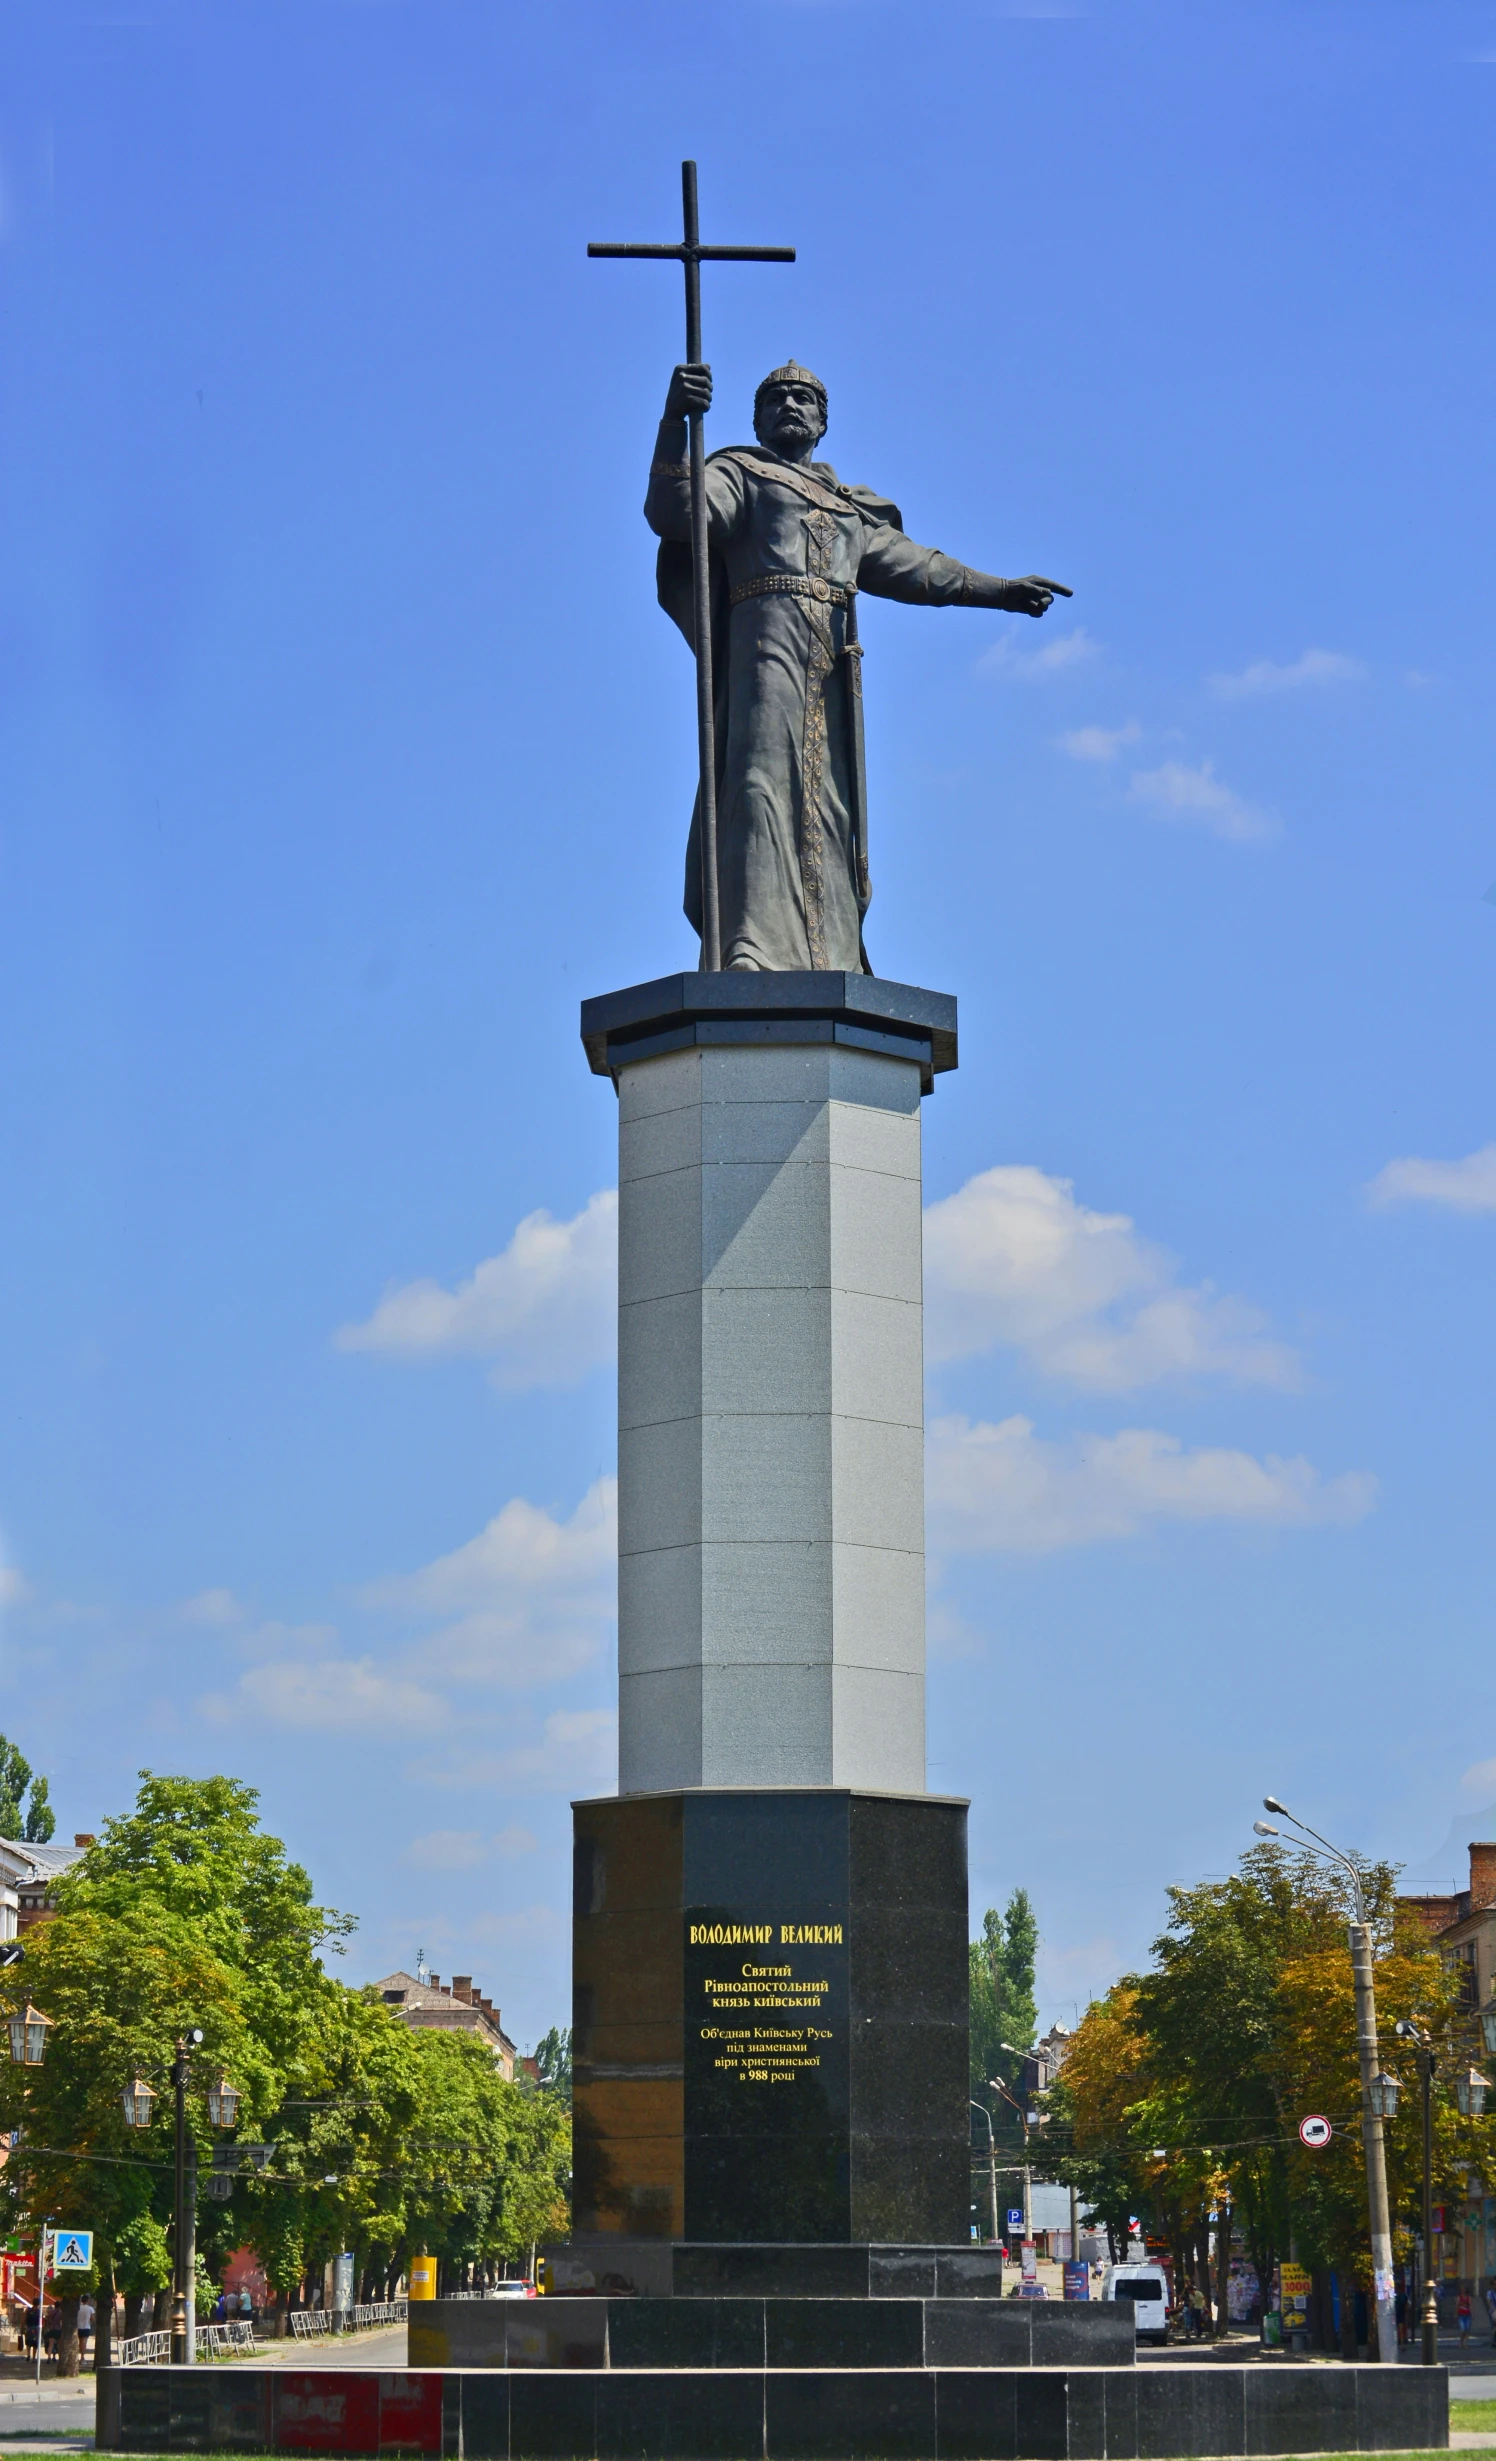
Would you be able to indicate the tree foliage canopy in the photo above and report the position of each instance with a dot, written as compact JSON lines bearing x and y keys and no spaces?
{"x":36,"y":1825}
{"x":1186,"y":2084}
{"x":382,"y":2140}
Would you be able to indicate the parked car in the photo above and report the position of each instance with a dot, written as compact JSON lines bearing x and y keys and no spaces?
{"x":1145,"y":2287}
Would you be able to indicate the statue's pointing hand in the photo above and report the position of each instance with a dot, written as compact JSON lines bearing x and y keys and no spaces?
{"x":1033,"y":595}
{"x":690,"y":389}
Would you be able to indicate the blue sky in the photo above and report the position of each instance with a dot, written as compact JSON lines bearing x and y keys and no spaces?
{"x":343,"y":749}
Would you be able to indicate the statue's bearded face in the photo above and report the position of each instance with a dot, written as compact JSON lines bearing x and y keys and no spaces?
{"x":789,"y":416}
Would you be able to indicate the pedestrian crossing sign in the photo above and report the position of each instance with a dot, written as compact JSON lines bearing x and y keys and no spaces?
{"x":72,"y":2251}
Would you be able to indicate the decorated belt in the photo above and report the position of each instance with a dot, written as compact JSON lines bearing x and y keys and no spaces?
{"x":795,"y":585}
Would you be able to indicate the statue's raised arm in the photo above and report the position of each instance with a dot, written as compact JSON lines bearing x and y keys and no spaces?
{"x":791,"y":547}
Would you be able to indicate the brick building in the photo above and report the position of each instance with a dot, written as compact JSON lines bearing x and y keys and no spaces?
{"x":27,"y":1877}
{"x":452,"y":2008}
{"x":1463,"y":1924}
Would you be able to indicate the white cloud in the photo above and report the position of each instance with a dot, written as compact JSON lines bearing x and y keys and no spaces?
{"x":448,"y":1850}
{"x":1098,"y":743}
{"x":1478,"y":1783}
{"x":1012,"y":1257}
{"x":1004,"y":1489}
{"x":1056,"y":655}
{"x":217,"y":1608}
{"x":1312,"y":672}
{"x":536,"y":1926}
{"x":1468,"y":1186}
{"x":530,"y":1596}
{"x":331,"y":1696}
{"x":1198,"y":799}
{"x":545,"y":1308}
{"x":465,"y":1849}
{"x":575,"y":1753}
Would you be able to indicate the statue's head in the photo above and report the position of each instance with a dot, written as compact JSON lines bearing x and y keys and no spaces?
{"x":789,"y":409}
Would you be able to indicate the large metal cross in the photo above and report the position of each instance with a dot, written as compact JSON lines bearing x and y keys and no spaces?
{"x":690,"y":253}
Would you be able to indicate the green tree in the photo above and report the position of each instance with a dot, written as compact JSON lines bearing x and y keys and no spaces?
{"x":183,"y":1914}
{"x":36,"y":1824}
{"x":553,"y":2059}
{"x":1183,"y":2088}
{"x":1003,"y":2009}
{"x":382,"y":2140}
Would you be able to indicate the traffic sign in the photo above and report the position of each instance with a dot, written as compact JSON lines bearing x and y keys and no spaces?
{"x":1315,"y":2132}
{"x":1015,"y":2218}
{"x":72,"y":2251}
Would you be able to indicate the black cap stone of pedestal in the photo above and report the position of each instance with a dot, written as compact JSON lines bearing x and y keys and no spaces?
{"x":857,"y":1010}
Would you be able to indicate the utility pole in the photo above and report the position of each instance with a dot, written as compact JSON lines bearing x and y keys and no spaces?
{"x":1374,"y":2086}
{"x":1371,"y":2137}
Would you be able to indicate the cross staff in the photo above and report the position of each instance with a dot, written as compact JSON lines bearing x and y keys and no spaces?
{"x":690,"y":253}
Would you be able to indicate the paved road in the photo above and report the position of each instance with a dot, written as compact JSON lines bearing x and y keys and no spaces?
{"x":57,"y":2412}
{"x":384,"y":2348}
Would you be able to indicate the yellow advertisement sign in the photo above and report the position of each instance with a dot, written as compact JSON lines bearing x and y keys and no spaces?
{"x":423,"y":2277}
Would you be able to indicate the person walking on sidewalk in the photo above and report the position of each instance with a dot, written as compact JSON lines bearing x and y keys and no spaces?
{"x":1463,"y":2311}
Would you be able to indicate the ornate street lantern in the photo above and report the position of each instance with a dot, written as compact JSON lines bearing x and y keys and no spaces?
{"x":223,"y":2104}
{"x":1470,"y":2092}
{"x":139,"y":2101}
{"x":1383,"y":2091}
{"x":28,"y":2036}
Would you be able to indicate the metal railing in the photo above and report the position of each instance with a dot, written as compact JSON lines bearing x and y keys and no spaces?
{"x":143,"y":2350}
{"x":229,"y":2339}
{"x":309,"y":2323}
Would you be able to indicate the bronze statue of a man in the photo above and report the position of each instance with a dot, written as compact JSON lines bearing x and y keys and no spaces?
{"x":790,"y":549}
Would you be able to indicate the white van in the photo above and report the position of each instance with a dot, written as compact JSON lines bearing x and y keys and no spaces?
{"x":1145,"y":2287}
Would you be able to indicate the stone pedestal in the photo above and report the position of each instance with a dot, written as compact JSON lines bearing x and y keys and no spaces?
{"x":770,"y":1377}
{"x":770,"y":2018}
{"x":769,"y":1947}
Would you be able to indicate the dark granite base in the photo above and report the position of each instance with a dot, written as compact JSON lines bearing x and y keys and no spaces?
{"x":767,"y":2414}
{"x":703,"y":2334}
{"x":770,"y":2003}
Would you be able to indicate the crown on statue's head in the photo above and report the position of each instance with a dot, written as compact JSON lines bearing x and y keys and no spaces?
{"x":792,"y":373}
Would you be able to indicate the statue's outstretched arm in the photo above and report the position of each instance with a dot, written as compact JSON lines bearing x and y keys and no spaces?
{"x":894,"y":566}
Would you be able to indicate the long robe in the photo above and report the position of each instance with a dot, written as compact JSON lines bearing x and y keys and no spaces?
{"x":792,"y":871}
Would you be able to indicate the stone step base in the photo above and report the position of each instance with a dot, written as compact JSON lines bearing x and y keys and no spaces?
{"x":703,"y":2333}
{"x":768,"y":2414}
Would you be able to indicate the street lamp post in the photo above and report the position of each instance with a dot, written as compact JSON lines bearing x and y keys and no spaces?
{"x":1022,"y":2109}
{"x":184,"y":2228}
{"x":991,"y":2160}
{"x":1424,"y":2049}
{"x":1375,"y":2096}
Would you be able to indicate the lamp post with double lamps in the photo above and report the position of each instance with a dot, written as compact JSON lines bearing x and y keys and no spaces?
{"x":1423,"y":2051}
{"x":1378,"y":2092}
{"x":139,"y":2103}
